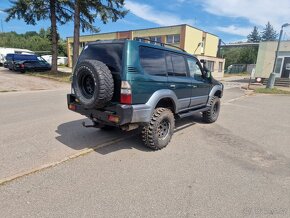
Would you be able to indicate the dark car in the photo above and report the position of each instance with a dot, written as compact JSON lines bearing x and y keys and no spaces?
{"x":32,"y":65}
{"x":5,"y":64}
{"x":23,"y":62}
{"x":131,"y":84}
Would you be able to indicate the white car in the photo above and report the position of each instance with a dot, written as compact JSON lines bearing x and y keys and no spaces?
{"x":60,"y":60}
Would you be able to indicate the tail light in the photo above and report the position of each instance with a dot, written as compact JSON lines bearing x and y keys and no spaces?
{"x":22,"y":65}
{"x":126,"y":93}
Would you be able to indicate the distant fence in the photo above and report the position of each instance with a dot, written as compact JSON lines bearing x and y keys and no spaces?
{"x":240,"y":68}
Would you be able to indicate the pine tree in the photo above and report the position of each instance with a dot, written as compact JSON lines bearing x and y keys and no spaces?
{"x":32,"y":11}
{"x":269,"y":34}
{"x":254,"y":36}
{"x":86,"y":12}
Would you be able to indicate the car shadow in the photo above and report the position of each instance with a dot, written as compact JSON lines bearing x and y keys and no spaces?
{"x":77,"y":137}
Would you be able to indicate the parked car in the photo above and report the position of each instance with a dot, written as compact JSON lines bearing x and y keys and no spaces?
{"x":5,"y":51}
{"x":23,"y":63}
{"x":131,"y":84}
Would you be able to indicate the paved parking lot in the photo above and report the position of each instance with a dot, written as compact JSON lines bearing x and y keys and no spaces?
{"x":236,"y":167}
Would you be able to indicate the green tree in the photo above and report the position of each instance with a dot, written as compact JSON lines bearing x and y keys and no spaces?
{"x":32,"y":11}
{"x":85,"y":13}
{"x":254,"y":36}
{"x":240,"y":55}
{"x":42,"y":33}
{"x":269,"y":34}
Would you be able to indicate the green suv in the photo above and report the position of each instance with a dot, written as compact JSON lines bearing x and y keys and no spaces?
{"x":132,"y":84}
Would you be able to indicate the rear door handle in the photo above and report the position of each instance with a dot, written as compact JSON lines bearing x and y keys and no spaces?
{"x":172,"y":86}
{"x":194,"y":86}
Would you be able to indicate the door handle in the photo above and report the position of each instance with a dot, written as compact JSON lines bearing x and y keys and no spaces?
{"x":194,"y":86}
{"x":172,"y":86}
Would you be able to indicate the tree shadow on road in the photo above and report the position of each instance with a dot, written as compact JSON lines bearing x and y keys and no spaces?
{"x":75,"y":136}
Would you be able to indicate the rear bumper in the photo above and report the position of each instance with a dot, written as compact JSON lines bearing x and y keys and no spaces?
{"x":126,"y":113}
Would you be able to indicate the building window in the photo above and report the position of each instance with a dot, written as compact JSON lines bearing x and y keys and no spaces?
{"x":140,"y":39}
{"x":220,"y":66}
{"x":173,"y":38}
{"x":83,"y":44}
{"x":153,"y":61}
{"x":156,"y":39}
{"x":210,"y":65}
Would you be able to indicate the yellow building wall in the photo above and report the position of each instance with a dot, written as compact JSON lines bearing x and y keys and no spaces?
{"x":89,"y":38}
{"x":211,"y":45}
{"x":192,"y":38}
{"x":157,"y":32}
{"x":189,"y":39}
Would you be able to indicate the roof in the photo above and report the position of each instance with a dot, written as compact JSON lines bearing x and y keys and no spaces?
{"x":240,"y":44}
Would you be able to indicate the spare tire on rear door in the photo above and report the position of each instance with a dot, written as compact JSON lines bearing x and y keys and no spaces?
{"x":93,"y":83}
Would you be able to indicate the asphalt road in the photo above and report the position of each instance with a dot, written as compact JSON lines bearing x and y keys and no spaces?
{"x":236,"y":167}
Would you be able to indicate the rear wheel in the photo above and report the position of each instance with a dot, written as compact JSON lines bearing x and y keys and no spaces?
{"x":158,"y":132}
{"x":212,"y":114}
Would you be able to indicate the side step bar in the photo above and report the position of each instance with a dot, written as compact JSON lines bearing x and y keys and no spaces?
{"x":192,"y":112}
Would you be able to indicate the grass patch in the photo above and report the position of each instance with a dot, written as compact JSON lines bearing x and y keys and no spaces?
{"x":272,"y":91}
{"x":59,"y":76}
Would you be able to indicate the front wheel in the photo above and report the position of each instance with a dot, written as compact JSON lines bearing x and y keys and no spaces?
{"x":158,"y":132}
{"x":212,"y":114}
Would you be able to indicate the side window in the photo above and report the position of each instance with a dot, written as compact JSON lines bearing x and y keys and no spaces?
{"x":153,"y":61}
{"x":194,"y":69}
{"x":179,"y":65}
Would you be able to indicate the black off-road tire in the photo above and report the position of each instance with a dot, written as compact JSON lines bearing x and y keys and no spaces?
{"x":212,"y":114}
{"x":151,"y":133}
{"x":100,"y":84}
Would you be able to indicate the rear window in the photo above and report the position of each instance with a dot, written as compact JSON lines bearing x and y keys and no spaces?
{"x":109,"y":53}
{"x":9,"y":57}
{"x":153,"y":61}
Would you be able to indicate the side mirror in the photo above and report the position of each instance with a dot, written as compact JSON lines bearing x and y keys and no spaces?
{"x":202,"y":61}
{"x":206,"y":73}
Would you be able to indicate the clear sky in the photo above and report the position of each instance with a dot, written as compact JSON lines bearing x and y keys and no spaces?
{"x":231,"y":20}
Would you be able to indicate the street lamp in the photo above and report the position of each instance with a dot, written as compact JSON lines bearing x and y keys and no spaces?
{"x":272,"y":77}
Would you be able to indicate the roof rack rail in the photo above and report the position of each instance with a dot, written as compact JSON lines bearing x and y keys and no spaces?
{"x":161,"y":43}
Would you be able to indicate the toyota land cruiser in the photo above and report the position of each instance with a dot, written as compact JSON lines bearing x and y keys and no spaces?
{"x":132,"y":84}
